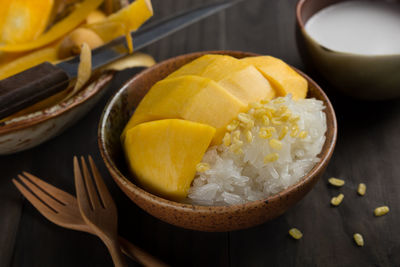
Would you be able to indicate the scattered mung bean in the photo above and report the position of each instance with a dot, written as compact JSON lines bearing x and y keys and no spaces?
{"x":335,"y":201}
{"x":336,"y":182}
{"x":380,"y":211}
{"x":361,"y":189}
{"x":295,"y":233}
{"x":358,"y":238}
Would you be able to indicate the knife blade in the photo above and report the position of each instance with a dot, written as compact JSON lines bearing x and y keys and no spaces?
{"x":35,"y":84}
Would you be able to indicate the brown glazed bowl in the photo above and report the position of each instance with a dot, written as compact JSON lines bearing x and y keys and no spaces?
{"x":27,"y":131}
{"x":203,"y":218}
{"x":368,"y":77}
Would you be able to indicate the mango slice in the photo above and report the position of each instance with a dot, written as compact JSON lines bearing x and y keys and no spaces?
{"x":23,"y":20}
{"x":195,"y":67}
{"x":239,"y":78}
{"x":190,"y":98}
{"x":283,"y":78}
{"x":163,"y":154}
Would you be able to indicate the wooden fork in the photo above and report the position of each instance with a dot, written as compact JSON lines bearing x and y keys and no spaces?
{"x":62,"y":209}
{"x":98,"y":208}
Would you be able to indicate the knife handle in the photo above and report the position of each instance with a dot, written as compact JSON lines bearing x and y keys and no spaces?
{"x":31,"y":86}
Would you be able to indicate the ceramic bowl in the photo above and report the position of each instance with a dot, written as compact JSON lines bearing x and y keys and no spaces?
{"x":204,"y":218}
{"x":30,"y":130}
{"x":369,"y":77}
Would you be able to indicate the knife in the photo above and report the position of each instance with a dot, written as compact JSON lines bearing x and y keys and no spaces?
{"x":35,"y":84}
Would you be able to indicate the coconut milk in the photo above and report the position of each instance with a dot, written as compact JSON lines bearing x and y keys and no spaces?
{"x":360,"y":27}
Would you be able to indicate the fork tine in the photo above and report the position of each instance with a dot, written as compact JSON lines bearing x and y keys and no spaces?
{"x":68,"y":217}
{"x":56,"y":193}
{"x":102,"y":188}
{"x":83,"y":198}
{"x":42,"y":208}
{"x":74,"y":221}
{"x":90,"y":187}
{"x":52,"y":203}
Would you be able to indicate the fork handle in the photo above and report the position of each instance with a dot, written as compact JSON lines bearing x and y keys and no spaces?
{"x":139,"y":255}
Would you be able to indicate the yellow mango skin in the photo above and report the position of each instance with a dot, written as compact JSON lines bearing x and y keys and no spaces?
{"x":95,"y":16}
{"x":190,"y":98}
{"x":128,"y":19}
{"x":23,"y":20}
{"x":62,"y":27}
{"x":163,"y":154}
{"x":239,"y":78}
{"x":134,"y":15}
{"x":283,"y":78}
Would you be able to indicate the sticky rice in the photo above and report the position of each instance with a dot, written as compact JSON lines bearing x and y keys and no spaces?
{"x":264,"y":151}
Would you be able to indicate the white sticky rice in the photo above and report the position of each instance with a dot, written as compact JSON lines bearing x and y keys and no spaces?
{"x":235,"y":178}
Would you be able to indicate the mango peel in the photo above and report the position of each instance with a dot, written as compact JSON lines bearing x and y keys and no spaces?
{"x":58,"y":30}
{"x":23,"y":20}
{"x":128,"y":19}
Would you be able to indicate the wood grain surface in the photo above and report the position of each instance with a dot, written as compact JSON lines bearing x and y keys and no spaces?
{"x":367,"y":151}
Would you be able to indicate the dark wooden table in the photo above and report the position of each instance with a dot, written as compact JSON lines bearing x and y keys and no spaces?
{"x":367,"y":151}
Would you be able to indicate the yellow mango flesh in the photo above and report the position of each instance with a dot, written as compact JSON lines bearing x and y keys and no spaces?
{"x":190,"y":98}
{"x":163,"y":154}
{"x":283,"y":78}
{"x":239,"y":78}
{"x":195,"y":67}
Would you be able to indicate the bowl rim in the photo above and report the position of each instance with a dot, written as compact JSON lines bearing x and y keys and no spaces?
{"x":301,"y":24}
{"x":121,"y":180}
{"x":32,"y":119}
